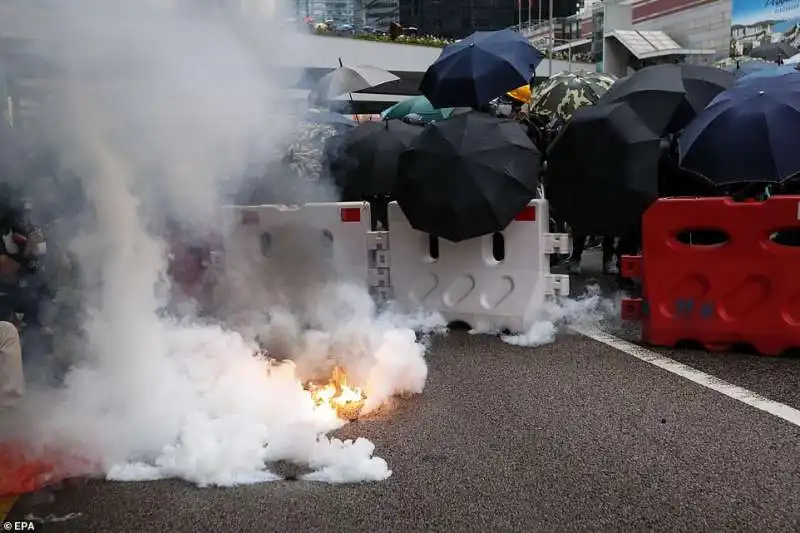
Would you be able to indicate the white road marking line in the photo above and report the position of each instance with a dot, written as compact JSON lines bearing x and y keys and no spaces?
{"x":790,"y":414}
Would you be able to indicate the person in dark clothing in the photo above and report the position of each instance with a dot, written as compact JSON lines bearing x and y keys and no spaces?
{"x":379,"y":211}
{"x":487,"y":108}
{"x":20,"y":243}
{"x":578,"y":246}
{"x":23,"y":290}
{"x":674,"y":181}
{"x":629,"y":244}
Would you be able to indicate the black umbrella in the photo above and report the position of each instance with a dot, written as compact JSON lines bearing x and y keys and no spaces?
{"x":467,"y":176}
{"x":602,"y":169}
{"x":479,"y":68}
{"x":364,"y":160}
{"x":771,"y":51}
{"x":668,"y":97}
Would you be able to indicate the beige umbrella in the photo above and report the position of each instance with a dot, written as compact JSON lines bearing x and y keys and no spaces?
{"x":345,"y":80}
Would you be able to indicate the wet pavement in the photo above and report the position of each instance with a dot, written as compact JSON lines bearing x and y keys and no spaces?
{"x":570,"y":436}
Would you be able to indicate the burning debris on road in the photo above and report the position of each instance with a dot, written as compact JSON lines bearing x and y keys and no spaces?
{"x":333,"y":394}
{"x":337,"y":395}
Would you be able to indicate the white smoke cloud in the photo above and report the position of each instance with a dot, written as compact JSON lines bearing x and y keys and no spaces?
{"x":156,"y":107}
{"x":589,"y":308}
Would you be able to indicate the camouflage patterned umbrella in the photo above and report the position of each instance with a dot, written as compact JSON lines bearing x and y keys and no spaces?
{"x":305,"y":153}
{"x":561,"y":95}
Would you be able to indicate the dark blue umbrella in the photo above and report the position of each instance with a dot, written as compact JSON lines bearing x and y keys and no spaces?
{"x":746,"y":134}
{"x":773,"y":71}
{"x":746,"y":68}
{"x":481,"y":67}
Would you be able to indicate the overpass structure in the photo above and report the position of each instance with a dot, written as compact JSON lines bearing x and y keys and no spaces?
{"x":298,"y":58}
{"x":21,"y":20}
{"x":324,"y":52}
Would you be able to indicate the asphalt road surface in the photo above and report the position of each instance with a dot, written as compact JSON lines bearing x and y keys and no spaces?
{"x":572,"y":436}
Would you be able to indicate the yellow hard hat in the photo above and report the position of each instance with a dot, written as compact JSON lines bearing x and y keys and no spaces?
{"x":521,"y":94}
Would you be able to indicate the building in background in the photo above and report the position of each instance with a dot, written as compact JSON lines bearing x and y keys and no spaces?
{"x":458,"y":18}
{"x":756,"y":22}
{"x":378,"y":14}
{"x":341,"y":13}
{"x":621,"y":35}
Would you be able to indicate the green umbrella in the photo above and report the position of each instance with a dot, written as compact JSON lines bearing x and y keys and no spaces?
{"x":418,"y":105}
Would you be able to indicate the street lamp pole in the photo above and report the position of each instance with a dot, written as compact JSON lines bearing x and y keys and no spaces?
{"x":552,"y":39}
{"x":569,"y":51}
{"x":10,"y":111}
{"x":529,"y":14}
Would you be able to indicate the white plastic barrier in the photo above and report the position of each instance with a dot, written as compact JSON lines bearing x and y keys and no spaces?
{"x":465,"y":283}
{"x":335,"y":233}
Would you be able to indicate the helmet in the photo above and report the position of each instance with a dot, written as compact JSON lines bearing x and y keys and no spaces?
{"x":521,"y":94}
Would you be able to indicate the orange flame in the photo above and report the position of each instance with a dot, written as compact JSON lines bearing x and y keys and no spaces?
{"x":337,"y":395}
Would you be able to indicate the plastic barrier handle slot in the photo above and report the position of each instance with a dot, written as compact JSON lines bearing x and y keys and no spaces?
{"x":631,"y":309}
{"x":528,"y":214}
{"x":631,"y":266}
{"x":555,"y":243}
{"x":350,"y":214}
{"x":250,"y":218}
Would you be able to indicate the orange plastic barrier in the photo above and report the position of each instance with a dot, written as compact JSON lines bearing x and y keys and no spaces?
{"x":23,"y":471}
{"x":745,"y":289}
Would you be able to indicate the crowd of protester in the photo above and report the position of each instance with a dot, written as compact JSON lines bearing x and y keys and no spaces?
{"x":41,"y":284}
{"x":42,"y":291}
{"x":613,"y":247}
{"x":25,"y":317}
